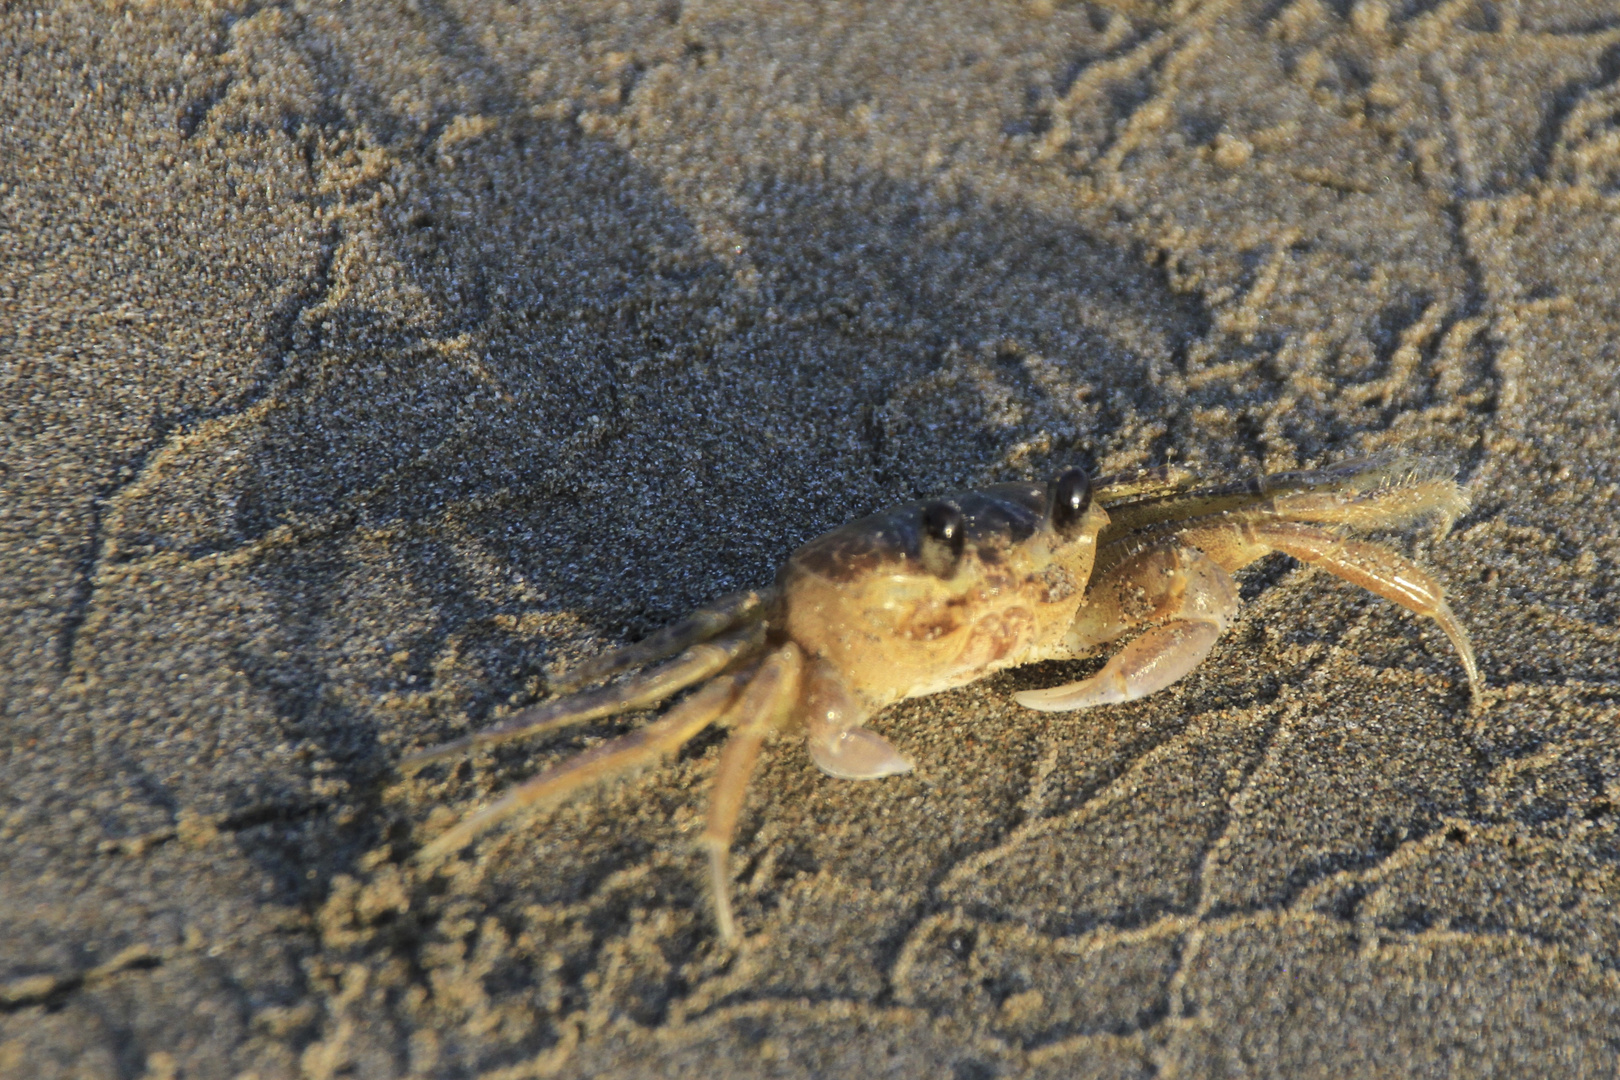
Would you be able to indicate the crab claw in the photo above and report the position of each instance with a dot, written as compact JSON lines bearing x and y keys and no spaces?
{"x":857,"y":754}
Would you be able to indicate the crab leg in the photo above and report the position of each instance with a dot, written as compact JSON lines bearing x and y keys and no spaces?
{"x":1376,"y":569}
{"x":696,"y":664}
{"x":611,"y":759}
{"x":764,"y":708}
{"x":1382,"y":491}
{"x":701,"y":625}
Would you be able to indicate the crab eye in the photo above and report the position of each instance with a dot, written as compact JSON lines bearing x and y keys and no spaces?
{"x":944,"y":531}
{"x":1071,"y":498}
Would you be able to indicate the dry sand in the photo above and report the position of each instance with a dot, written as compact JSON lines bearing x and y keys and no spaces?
{"x":359,"y":361}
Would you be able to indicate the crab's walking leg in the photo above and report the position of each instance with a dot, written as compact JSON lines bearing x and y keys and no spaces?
{"x":701,"y":625}
{"x":611,"y":759}
{"x":695,"y":665}
{"x":763,"y":709}
{"x":1184,"y":596}
{"x":1376,"y":569}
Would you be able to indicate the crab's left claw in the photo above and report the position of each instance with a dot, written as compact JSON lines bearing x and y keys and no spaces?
{"x":1152,"y":662}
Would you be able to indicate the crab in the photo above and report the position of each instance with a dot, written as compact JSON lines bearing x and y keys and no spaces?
{"x":931,"y":595}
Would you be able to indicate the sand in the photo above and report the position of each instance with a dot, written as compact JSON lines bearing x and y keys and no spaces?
{"x":359,"y":362}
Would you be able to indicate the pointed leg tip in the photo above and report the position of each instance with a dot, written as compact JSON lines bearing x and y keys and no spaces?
{"x":411,"y":764}
{"x":433,"y":854}
{"x":1035,"y":699}
{"x":1068,"y":698}
{"x":415,"y":762}
{"x":430,"y":857}
{"x":720,"y":889}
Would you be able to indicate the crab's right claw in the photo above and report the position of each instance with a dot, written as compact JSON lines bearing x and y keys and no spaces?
{"x":857,"y":754}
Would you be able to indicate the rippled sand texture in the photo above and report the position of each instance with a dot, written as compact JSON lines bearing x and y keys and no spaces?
{"x":359,"y":361}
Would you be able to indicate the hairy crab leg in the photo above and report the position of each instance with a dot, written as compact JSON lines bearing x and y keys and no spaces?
{"x":1381,"y":491}
{"x":765,"y":708}
{"x":1382,"y":508}
{"x":1156,"y":482}
{"x":696,"y":664}
{"x":613,"y":758}
{"x":704,"y":623}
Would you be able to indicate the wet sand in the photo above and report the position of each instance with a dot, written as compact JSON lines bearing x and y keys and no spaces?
{"x":359,"y":362}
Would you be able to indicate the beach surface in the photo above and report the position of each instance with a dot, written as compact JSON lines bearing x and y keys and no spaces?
{"x":361,"y":363}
